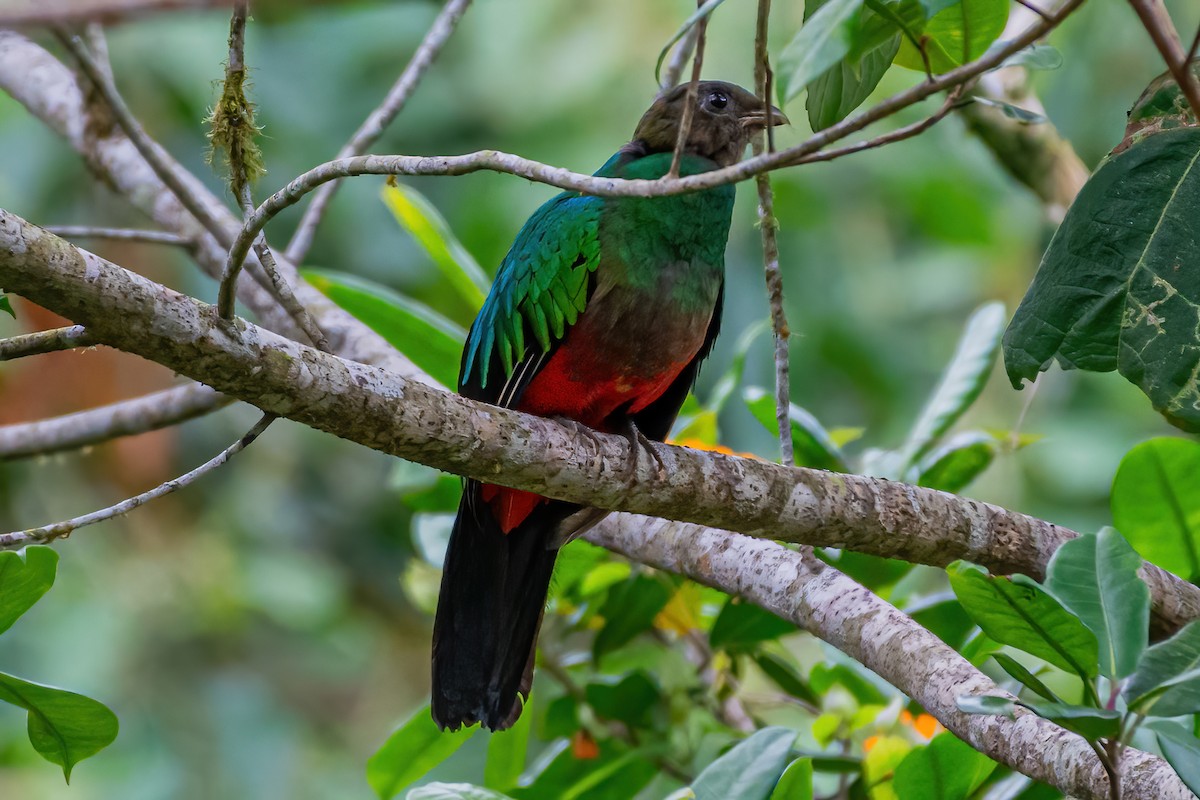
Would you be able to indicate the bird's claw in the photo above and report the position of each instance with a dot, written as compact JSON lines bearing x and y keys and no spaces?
{"x":638,"y":442}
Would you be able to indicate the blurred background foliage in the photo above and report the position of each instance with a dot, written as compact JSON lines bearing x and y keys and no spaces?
{"x":261,"y":633}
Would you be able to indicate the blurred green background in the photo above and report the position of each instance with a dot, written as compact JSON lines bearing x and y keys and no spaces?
{"x":253,"y":633}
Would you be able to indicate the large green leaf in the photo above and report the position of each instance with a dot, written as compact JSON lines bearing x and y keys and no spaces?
{"x":812,"y":444}
{"x":822,"y":41}
{"x":742,"y":626}
{"x":796,"y":782}
{"x":952,"y":466}
{"x":421,"y":219}
{"x":23,"y":581}
{"x":453,"y":791}
{"x":959,"y":33}
{"x":1096,"y":578}
{"x":1156,"y":503}
{"x":1181,"y":750}
{"x":64,"y":727}
{"x":750,"y":770}
{"x":1017,"y":671}
{"x":786,"y":677}
{"x":630,"y":608}
{"x":1119,"y":285}
{"x":961,"y":382}
{"x":506,"y":754}
{"x":433,"y":342}
{"x":631,"y":699}
{"x":1167,"y":680}
{"x":616,"y":773}
{"x":1023,"y":616}
{"x":411,"y":751}
{"x":945,"y":769}
{"x":1090,"y":723}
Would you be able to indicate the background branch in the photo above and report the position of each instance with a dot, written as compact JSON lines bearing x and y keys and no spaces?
{"x":35,"y":344}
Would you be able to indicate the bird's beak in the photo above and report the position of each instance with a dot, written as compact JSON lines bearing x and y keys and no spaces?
{"x":760,"y":117}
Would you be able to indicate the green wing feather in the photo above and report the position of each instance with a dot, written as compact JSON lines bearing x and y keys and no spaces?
{"x":541,"y":287}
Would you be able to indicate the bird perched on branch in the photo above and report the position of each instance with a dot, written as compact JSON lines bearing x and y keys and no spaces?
{"x":600,"y":313}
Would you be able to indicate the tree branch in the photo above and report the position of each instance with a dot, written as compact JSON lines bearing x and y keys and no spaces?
{"x":804,"y":590}
{"x":402,"y":417}
{"x":35,"y":344}
{"x":615,"y":187}
{"x":117,"y":234}
{"x":378,"y":120}
{"x":60,"y":12}
{"x":1157,"y":23}
{"x":125,"y":418}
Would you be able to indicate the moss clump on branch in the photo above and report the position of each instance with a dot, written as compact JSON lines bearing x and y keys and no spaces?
{"x":233,"y":132}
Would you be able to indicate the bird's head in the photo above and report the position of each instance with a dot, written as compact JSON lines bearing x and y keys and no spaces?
{"x":724,"y":119}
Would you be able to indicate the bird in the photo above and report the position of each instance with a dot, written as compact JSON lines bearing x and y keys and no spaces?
{"x":600,"y":315}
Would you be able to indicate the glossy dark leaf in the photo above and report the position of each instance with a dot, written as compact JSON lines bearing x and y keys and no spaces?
{"x":1119,"y":284}
{"x":741,"y":626}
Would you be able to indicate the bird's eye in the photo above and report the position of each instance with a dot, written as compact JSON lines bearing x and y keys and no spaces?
{"x":717,"y":100}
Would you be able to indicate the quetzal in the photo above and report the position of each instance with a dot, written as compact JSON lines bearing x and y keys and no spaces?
{"x":601,"y":313}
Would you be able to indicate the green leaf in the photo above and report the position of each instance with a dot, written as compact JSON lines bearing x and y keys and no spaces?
{"x":934,"y":7}
{"x":731,"y":379}
{"x":823,"y":676}
{"x":741,"y":626}
{"x":1090,"y":723}
{"x":820,"y":43}
{"x":796,"y":783}
{"x":700,"y":13}
{"x":1026,"y":678}
{"x":630,"y":609}
{"x":750,"y":770}
{"x":1120,"y":281}
{"x":962,"y":459}
{"x":812,"y":444}
{"x":24,"y":580}
{"x":1023,"y":616}
{"x":433,"y":342}
{"x":453,"y":791}
{"x":786,"y":677}
{"x":1011,"y":111}
{"x":1156,"y":506}
{"x":421,"y":219}
{"x":631,"y":699}
{"x":64,"y":727}
{"x":1096,"y":578}
{"x":985,"y":704}
{"x":958,"y":33}
{"x":506,"y":754}
{"x":410,"y":752}
{"x":6,"y":306}
{"x":962,"y":380}
{"x":1181,"y":750}
{"x":617,"y":773}
{"x":1160,"y":107}
{"x":1167,"y":680}
{"x":945,"y":769}
{"x":1038,"y":56}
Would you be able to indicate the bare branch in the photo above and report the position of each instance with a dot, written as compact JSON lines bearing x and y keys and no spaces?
{"x":768,"y":226}
{"x":615,"y":187}
{"x":374,"y":125}
{"x":389,"y":413}
{"x":125,"y":418}
{"x":802,"y":589}
{"x":117,"y":234}
{"x":1157,"y":23}
{"x":17,"y":13}
{"x":60,"y":530}
{"x":35,"y":344}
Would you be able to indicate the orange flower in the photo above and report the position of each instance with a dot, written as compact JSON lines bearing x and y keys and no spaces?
{"x":583,"y":746}
{"x":925,"y":725}
{"x":870,"y":742}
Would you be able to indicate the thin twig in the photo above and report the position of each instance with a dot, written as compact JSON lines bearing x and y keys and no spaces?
{"x":1157,"y":23}
{"x":59,"y":12}
{"x":373,"y":126}
{"x":142,"y":142}
{"x":768,"y":226}
{"x":616,"y":187}
{"x":59,"y":530}
{"x":679,"y":58}
{"x":104,"y":423}
{"x":1191,"y":55}
{"x":35,"y":344}
{"x":117,"y":234}
{"x":1033,"y":8}
{"x":689,"y":106}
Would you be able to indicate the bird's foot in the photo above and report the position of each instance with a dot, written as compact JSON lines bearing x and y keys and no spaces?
{"x":638,"y":442}
{"x":582,"y":430}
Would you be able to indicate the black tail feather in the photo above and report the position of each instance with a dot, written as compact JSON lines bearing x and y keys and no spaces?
{"x":489,"y":611}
